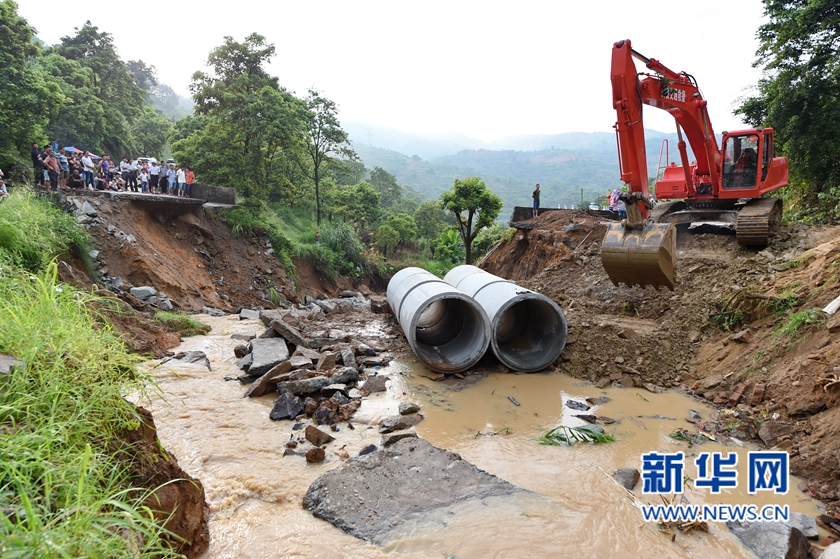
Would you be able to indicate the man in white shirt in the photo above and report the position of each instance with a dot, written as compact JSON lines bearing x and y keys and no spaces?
{"x":89,"y":169}
{"x":132,"y":176}
{"x":182,"y":179}
{"x":154,"y":176}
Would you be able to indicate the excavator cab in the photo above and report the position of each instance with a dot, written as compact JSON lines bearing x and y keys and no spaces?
{"x":637,"y":252}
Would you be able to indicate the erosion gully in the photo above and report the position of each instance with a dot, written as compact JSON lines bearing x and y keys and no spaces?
{"x":255,"y":493}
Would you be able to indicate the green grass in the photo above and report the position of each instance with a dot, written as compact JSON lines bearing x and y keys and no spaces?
{"x":33,"y":231}
{"x":797,"y":322}
{"x":64,"y":482}
{"x":185,"y":324}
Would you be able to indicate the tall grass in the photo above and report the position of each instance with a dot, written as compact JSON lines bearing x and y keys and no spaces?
{"x":63,"y":491}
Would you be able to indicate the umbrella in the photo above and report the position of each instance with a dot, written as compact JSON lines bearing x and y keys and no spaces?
{"x":94,"y":156}
{"x":71,"y":149}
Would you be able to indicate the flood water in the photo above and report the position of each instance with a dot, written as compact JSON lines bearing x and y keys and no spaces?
{"x":255,"y":493}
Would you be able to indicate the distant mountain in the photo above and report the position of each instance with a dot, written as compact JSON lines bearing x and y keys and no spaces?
{"x":426,"y":146}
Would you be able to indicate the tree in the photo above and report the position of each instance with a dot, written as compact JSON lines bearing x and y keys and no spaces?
{"x":474,"y":206}
{"x":430,"y":219}
{"x":357,"y":204}
{"x":387,"y":237}
{"x":27,"y":95}
{"x":122,"y":99}
{"x":324,"y":137}
{"x":150,"y":132}
{"x":799,"y":94}
{"x":146,"y":76}
{"x":404,"y":225}
{"x":252,"y":129}
{"x":386,"y":184}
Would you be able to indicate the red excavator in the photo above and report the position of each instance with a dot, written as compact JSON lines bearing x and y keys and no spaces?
{"x":722,"y":187}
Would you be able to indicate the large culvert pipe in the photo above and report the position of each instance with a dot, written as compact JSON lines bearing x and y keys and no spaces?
{"x":444,"y":327}
{"x":528,"y":330}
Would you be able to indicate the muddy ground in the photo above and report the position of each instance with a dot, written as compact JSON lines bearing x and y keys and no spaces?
{"x":775,"y":388}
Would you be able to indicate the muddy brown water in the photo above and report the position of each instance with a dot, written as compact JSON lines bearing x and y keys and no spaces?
{"x":255,"y":493}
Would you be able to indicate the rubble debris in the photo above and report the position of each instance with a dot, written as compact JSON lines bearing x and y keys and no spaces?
{"x":265,"y":354}
{"x":267,"y":382}
{"x":399,"y":422}
{"x":195,"y":357}
{"x":771,"y":539}
{"x":315,"y":455}
{"x":248,"y":314}
{"x":627,"y":477}
{"x":374,"y":384}
{"x":317,"y":437}
{"x":286,"y":406}
{"x":406,"y":408}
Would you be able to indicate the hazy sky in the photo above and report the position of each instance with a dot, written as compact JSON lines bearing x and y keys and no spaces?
{"x":484,"y":69}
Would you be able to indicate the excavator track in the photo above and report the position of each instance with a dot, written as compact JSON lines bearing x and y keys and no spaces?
{"x":757,"y":221}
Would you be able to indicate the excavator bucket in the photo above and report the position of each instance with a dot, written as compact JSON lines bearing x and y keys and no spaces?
{"x":640,"y":256}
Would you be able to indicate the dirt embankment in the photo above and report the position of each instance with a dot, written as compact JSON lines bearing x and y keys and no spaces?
{"x":775,"y":388}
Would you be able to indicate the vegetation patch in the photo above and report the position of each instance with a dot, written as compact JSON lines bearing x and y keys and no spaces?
{"x":182,"y":323}
{"x":569,"y":436}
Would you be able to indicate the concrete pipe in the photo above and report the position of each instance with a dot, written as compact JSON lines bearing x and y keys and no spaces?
{"x":444,"y":327}
{"x":527,"y":330}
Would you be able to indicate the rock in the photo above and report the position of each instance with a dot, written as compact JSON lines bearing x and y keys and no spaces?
{"x":240,"y":351}
{"x":143,"y":292}
{"x":771,"y":539}
{"x":87,"y":209}
{"x":267,"y":353}
{"x":363,"y":350}
{"x":267,"y":317}
{"x":831,"y":552}
{"x":355,"y":393}
{"x":300,"y":362}
{"x":327,"y":306}
{"x":743,"y":336}
{"x":326,"y":362}
{"x":348,"y":358}
{"x":348,"y":375}
{"x":575,"y":405}
{"x":315,"y":455}
{"x":694,"y":336}
{"x":165,"y":305}
{"x":833,"y":323}
{"x":339,"y":388}
{"x":286,"y":406}
{"x":195,"y":356}
{"x":376,"y":361}
{"x":757,"y":395}
{"x":325,"y":414}
{"x":303,"y":386}
{"x":650,"y":387}
{"x":407,"y":408}
{"x":290,"y":333}
{"x":311,"y":354}
{"x":587,"y":418}
{"x":627,"y":477}
{"x":368,"y":449}
{"x":600,"y":400}
{"x":401,"y":482}
{"x":804,"y":407}
{"x":736,"y":394}
{"x":266,"y":382}
{"x":711,"y":382}
{"x":627,"y":334}
{"x":399,"y":422}
{"x":245,"y":362}
{"x":805,"y":524}
{"x":212,"y":312}
{"x":379,"y":305}
{"x":770,"y":431}
{"x":619,"y":360}
{"x":767,"y":254}
{"x":374,"y":384}
{"x":394,"y":437}
{"x":248,"y":314}
{"x":316,"y":436}
{"x":268,"y":333}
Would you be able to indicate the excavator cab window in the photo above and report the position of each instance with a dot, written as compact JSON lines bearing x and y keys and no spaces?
{"x":740,"y":161}
{"x":767,"y":155}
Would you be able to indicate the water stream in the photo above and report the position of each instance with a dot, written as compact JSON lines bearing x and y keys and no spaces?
{"x":255,"y":493}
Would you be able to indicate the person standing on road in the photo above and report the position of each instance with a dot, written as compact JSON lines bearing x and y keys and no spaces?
{"x":52,"y":168}
{"x":536,"y":197}
{"x":154,"y":175}
{"x":190,"y":176}
{"x":132,"y":176}
{"x":172,"y":179}
{"x":88,"y":168}
{"x":182,"y":180}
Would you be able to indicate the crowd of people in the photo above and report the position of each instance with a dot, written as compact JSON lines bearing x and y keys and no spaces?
{"x":60,"y":168}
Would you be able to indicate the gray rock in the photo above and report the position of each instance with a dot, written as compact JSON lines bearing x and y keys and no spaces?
{"x":326,"y":362}
{"x":399,"y":422}
{"x":805,"y":524}
{"x":575,"y":405}
{"x":342,"y":388}
{"x":165,"y":305}
{"x":268,"y":333}
{"x":241,"y":350}
{"x":374,"y":384}
{"x":143,"y":292}
{"x":286,"y":406}
{"x":245,"y":362}
{"x":368,"y":449}
{"x":363,"y":349}
{"x":290,"y":333}
{"x":243,"y":336}
{"x":327,"y":306}
{"x":628,"y":477}
{"x":831,"y":552}
{"x":402,"y":482}
{"x":94,"y":254}
{"x":325,"y":415}
{"x":87,"y":209}
{"x":270,"y":316}
{"x":195,"y":356}
{"x":268,"y":381}
{"x":355,"y":393}
{"x":248,"y":314}
{"x":303,"y":386}
{"x":212,"y":312}
{"x":771,"y":540}
{"x":266,"y":354}
{"x":300,"y":362}
{"x":392,"y":438}
{"x":770,"y":431}
{"x":407,"y":408}
{"x":348,"y":358}
{"x":347,"y":375}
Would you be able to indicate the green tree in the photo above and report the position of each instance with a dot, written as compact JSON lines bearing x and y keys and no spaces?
{"x":357,"y":204}
{"x":122,"y":99}
{"x":404,"y":225}
{"x":251,"y":127}
{"x":150,"y":132}
{"x":387,"y":237}
{"x":386,"y":184}
{"x":27,"y":95}
{"x":144,"y":75}
{"x":474,"y":206}
{"x":799,"y":94}
{"x":430,"y":218}
{"x":324,"y":138}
